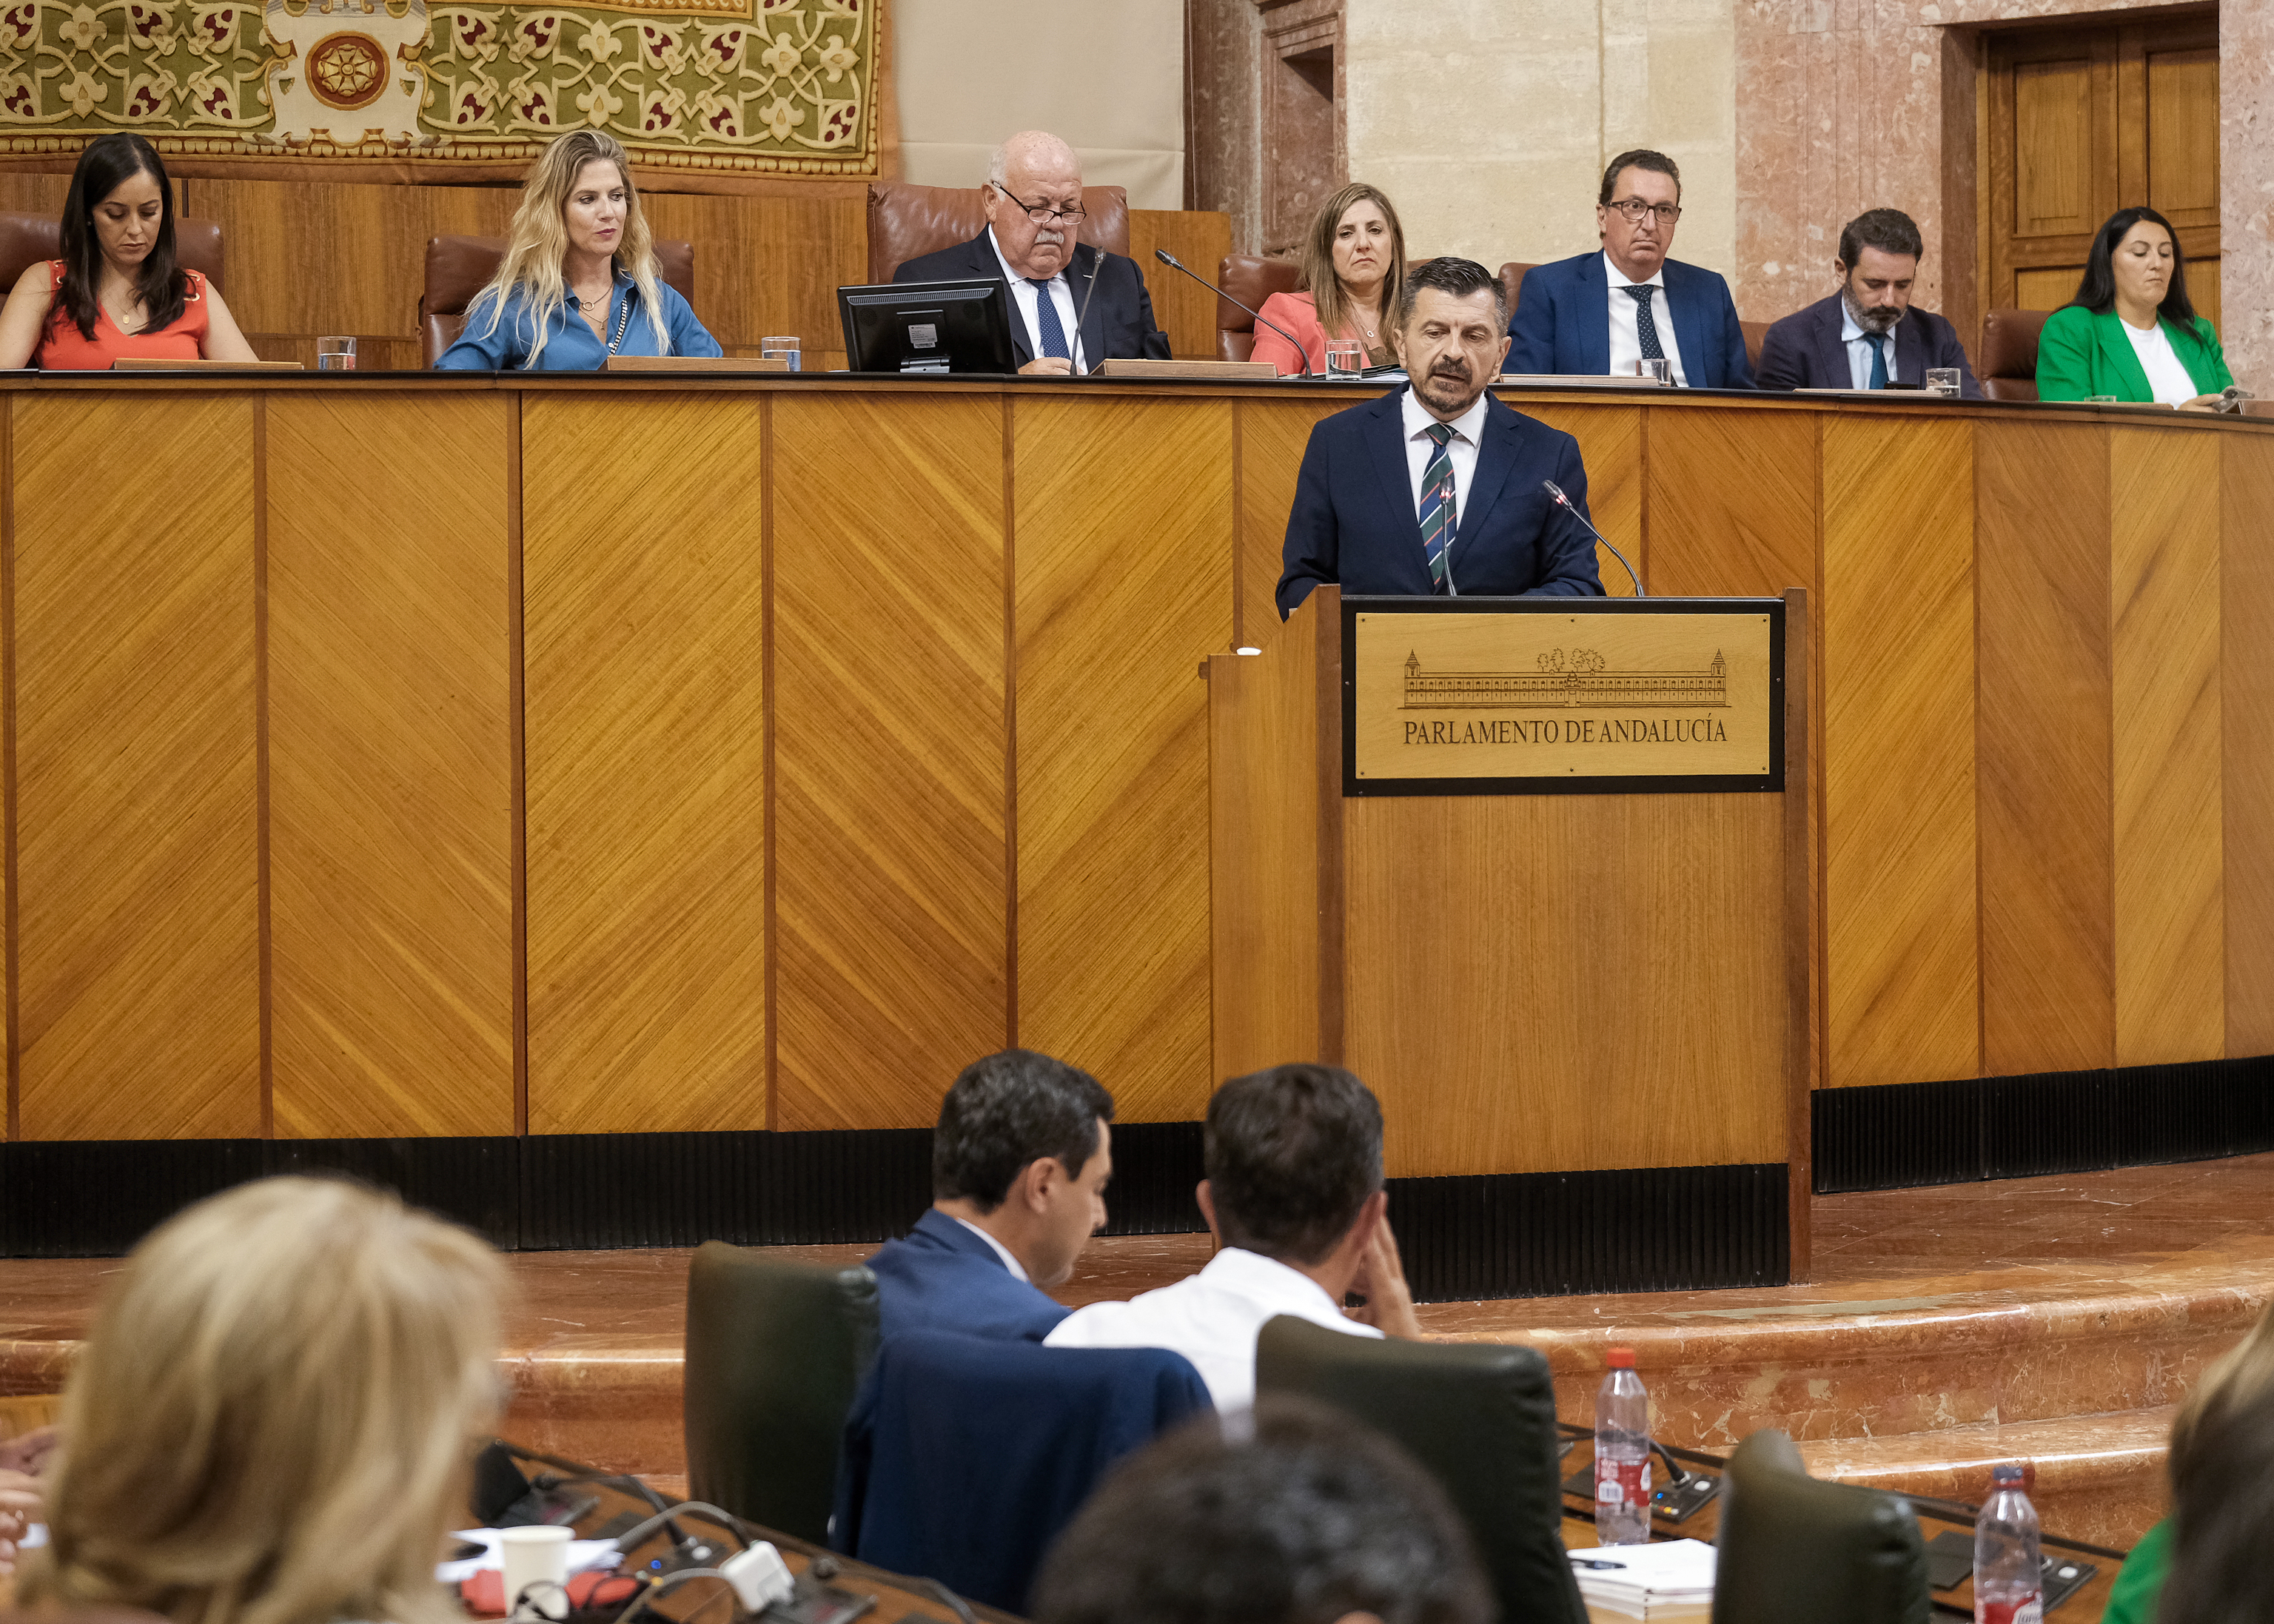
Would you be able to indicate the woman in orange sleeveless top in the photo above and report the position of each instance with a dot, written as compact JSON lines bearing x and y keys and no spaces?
{"x":117,"y":293}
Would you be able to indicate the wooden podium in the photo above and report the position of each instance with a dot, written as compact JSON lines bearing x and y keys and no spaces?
{"x":1538,"y":871}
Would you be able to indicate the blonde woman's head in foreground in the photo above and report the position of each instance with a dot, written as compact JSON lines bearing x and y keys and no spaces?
{"x":273,"y":1418}
{"x":581,"y":162}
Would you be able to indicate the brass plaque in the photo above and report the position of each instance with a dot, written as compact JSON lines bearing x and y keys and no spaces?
{"x":1530,"y":695}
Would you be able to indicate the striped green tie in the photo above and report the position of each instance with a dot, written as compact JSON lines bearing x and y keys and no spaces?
{"x":1439,"y":520}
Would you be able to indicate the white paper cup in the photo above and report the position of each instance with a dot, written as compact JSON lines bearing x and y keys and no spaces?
{"x":536,"y":1555}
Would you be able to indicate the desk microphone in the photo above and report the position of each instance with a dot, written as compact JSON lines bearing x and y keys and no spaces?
{"x":1170,"y":261}
{"x":1556,"y":490}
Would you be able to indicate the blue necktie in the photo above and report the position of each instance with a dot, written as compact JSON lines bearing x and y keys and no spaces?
{"x":1437,"y":515}
{"x":1647,"y":324}
{"x":1878,"y":361}
{"x":1046,"y":317}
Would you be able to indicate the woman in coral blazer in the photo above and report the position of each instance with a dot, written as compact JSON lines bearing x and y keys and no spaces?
{"x":1353,"y":266}
{"x":2131,"y":332}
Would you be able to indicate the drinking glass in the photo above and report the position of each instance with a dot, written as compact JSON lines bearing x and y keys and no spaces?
{"x":536,"y":1555}
{"x":1346,"y":357}
{"x":781,"y":350}
{"x":1656,"y":367}
{"x":336,"y":355}
{"x":1943,"y":380}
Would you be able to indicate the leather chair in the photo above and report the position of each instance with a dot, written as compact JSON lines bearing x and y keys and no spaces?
{"x":1795,"y":1549}
{"x":906,"y":223}
{"x":1480,"y":1417}
{"x":1251,"y":278}
{"x":774,"y":1353}
{"x":2008,"y":369}
{"x":1756,"y":333}
{"x":458,"y":268}
{"x":1511,"y":280}
{"x":26,"y":239}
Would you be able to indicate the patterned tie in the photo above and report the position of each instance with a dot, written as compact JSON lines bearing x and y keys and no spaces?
{"x":1878,"y":361}
{"x":1647,"y":324}
{"x":1046,"y":316}
{"x":1438,"y":519}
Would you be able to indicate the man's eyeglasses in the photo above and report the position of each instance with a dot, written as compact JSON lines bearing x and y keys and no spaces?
{"x":1635,"y":208}
{"x":1044,"y":214}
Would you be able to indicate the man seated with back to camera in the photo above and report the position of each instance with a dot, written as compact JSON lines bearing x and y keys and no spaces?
{"x":1294,"y":1198}
{"x":1868,"y":334}
{"x":1071,"y":306}
{"x":1019,"y":1162}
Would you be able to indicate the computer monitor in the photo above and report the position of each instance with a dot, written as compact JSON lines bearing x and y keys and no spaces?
{"x":919,"y":327}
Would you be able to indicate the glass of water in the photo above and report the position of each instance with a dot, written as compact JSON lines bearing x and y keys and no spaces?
{"x":1656,"y":368}
{"x":1943,"y":380}
{"x":780,"y":349}
{"x":1346,"y":357}
{"x":336,"y":355}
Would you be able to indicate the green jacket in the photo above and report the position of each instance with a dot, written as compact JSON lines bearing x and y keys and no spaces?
{"x":2139,"y":1581}
{"x":2080,"y":355}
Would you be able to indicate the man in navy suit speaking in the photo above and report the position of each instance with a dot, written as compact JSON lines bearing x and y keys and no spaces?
{"x":1599,"y":314}
{"x":1437,"y":489}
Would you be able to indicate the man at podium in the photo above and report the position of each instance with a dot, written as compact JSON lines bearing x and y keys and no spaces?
{"x":1439,"y":489}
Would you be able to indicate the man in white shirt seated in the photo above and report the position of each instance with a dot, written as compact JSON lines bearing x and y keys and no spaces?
{"x":1294,"y":1198}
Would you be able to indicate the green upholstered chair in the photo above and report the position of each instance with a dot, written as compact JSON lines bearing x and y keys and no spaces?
{"x":1795,"y":1548}
{"x":774,"y":1351}
{"x":1480,"y":1417}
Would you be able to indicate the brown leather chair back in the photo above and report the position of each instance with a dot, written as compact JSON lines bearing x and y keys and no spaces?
{"x":1511,"y":281}
{"x":26,"y":239}
{"x":2009,"y":354}
{"x":1250,"y":279}
{"x":1755,"y":332}
{"x":458,"y":268}
{"x":906,"y":223}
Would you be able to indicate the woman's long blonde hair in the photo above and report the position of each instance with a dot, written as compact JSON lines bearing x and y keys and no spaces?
{"x":273,"y":1418}
{"x":1319,"y":278}
{"x":539,"y":244}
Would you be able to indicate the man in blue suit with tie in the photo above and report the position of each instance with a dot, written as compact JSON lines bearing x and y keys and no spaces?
{"x":1438,"y":489}
{"x":1597,"y":314}
{"x":1019,"y":1162}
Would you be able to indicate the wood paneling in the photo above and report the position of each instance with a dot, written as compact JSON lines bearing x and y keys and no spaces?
{"x":2246,"y":604}
{"x":768,"y":266}
{"x":1900,"y":1000}
{"x":1497,"y":947}
{"x":1117,"y":602}
{"x":1184,"y":309}
{"x":644,"y":635}
{"x":1732,"y":501}
{"x":891,"y":955}
{"x":390,"y":781}
{"x":1610,"y":446}
{"x":2042,"y":738}
{"x":1272,"y":439}
{"x":137,"y":824}
{"x":2182,"y":136}
{"x":2054,"y":190}
{"x":2170,"y":928}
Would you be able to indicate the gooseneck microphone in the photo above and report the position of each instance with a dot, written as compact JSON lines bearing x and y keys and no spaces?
{"x":1170,"y":261}
{"x":1556,"y":490}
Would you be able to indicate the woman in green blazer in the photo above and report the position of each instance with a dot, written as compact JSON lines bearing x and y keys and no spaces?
{"x":2131,"y":330}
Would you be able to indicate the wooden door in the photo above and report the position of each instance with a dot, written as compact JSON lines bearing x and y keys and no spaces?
{"x":2083,"y":122}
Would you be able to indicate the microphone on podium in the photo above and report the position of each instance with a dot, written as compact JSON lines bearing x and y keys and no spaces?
{"x":1556,"y":490}
{"x":1170,"y":261}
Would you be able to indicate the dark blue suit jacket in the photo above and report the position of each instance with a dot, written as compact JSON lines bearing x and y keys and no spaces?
{"x":1354,"y":522}
{"x":1117,"y":324}
{"x":1803,"y":350}
{"x":942,"y":1277}
{"x":1563,"y":323}
{"x":964,"y":1458}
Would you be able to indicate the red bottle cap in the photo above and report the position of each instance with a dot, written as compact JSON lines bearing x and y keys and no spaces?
{"x":1620,"y":1358}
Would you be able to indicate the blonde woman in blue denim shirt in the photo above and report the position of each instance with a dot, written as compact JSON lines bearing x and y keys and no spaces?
{"x":579,"y":281}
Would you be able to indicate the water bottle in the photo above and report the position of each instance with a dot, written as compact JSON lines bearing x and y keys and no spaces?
{"x":2008,"y":1573}
{"x":1622,"y":1454}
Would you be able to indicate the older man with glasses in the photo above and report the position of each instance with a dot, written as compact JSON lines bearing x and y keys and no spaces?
{"x":1076,"y":305}
{"x":1621,"y":311}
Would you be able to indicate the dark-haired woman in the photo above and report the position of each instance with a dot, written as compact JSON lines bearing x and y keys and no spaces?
{"x":2131,"y":332}
{"x":117,"y":293}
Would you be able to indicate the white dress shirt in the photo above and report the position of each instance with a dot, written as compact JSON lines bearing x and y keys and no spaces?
{"x":1420,"y":451}
{"x":2167,"y":375}
{"x":1212,"y":1318}
{"x":1010,"y":1260}
{"x":1023,"y":297}
{"x":1859,"y":348}
{"x":1626,"y":332}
